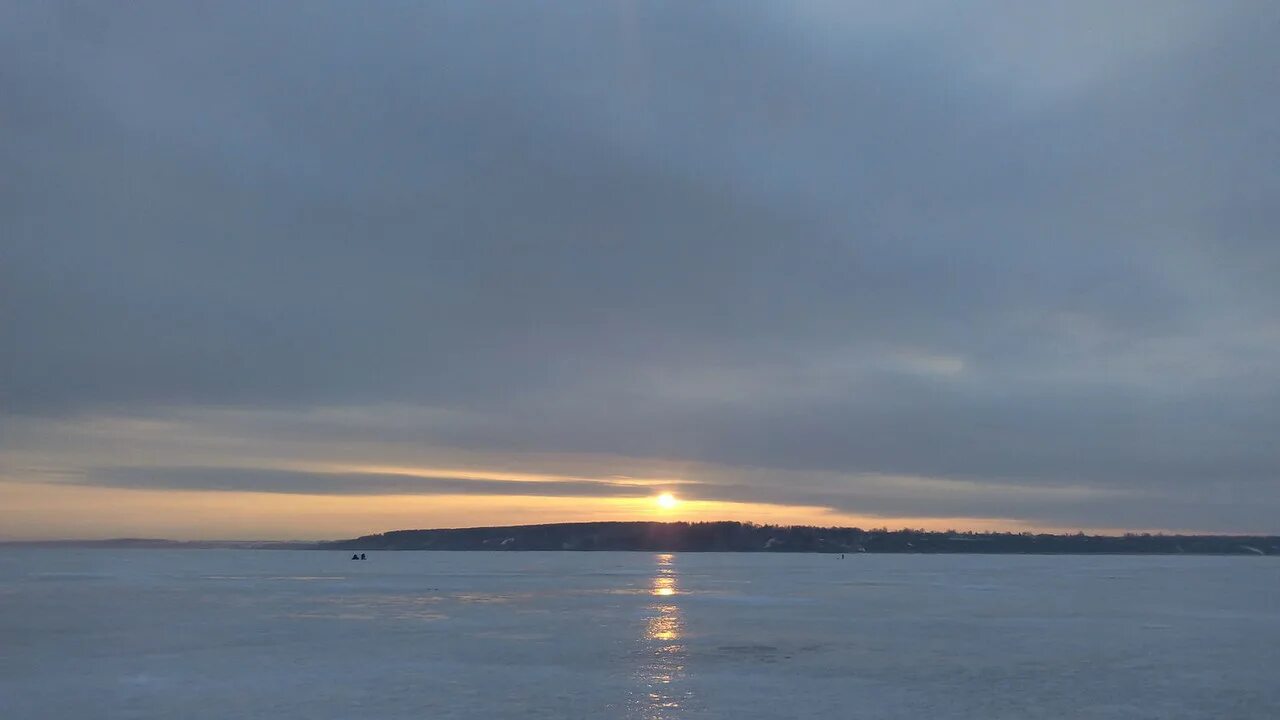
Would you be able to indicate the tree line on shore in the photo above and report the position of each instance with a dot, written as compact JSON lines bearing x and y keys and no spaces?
{"x":729,"y":536}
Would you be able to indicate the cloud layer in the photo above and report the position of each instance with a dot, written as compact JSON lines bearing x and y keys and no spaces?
{"x":788,"y":247}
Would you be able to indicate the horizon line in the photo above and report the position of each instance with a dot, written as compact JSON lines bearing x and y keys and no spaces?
{"x":881,"y":528}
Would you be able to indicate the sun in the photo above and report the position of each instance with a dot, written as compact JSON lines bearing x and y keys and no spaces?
{"x":666,"y":501}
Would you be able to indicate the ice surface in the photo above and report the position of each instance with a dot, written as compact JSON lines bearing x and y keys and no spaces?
{"x":299,"y":634}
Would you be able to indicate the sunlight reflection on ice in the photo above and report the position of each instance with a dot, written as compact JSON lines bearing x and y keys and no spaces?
{"x":662,"y":654}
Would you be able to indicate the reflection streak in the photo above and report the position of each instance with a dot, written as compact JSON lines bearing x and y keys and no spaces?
{"x":663,"y":654}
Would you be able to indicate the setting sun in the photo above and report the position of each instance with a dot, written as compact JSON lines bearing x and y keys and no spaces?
{"x":667,"y":501}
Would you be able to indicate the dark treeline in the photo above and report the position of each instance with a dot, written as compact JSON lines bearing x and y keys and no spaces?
{"x":749,"y":537}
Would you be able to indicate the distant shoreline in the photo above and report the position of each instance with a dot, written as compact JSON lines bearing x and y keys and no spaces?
{"x":727,"y":537}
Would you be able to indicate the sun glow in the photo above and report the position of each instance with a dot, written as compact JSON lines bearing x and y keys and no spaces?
{"x":666,"y":501}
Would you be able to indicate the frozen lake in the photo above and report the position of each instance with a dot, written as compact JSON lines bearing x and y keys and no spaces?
{"x":300,"y":634}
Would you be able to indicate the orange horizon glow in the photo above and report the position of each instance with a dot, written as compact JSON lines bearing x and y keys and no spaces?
{"x":46,"y":511}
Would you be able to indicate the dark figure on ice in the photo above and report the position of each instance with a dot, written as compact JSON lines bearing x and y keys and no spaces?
{"x":355,"y":557}
{"x":362,"y":557}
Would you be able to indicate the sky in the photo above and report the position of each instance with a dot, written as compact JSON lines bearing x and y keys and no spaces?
{"x":315,"y":270}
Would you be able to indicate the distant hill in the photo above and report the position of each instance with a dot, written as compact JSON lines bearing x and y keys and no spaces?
{"x":749,"y":537}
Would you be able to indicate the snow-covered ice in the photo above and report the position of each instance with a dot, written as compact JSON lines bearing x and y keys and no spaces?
{"x":315,"y":635}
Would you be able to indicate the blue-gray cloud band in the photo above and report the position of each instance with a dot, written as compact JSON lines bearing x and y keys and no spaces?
{"x":853,"y":239}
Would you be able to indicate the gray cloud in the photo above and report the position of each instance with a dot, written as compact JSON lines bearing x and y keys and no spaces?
{"x":1020,"y":249}
{"x":296,"y":482}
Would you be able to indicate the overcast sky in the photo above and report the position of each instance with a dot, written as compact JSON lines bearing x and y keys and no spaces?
{"x":316,"y":269}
